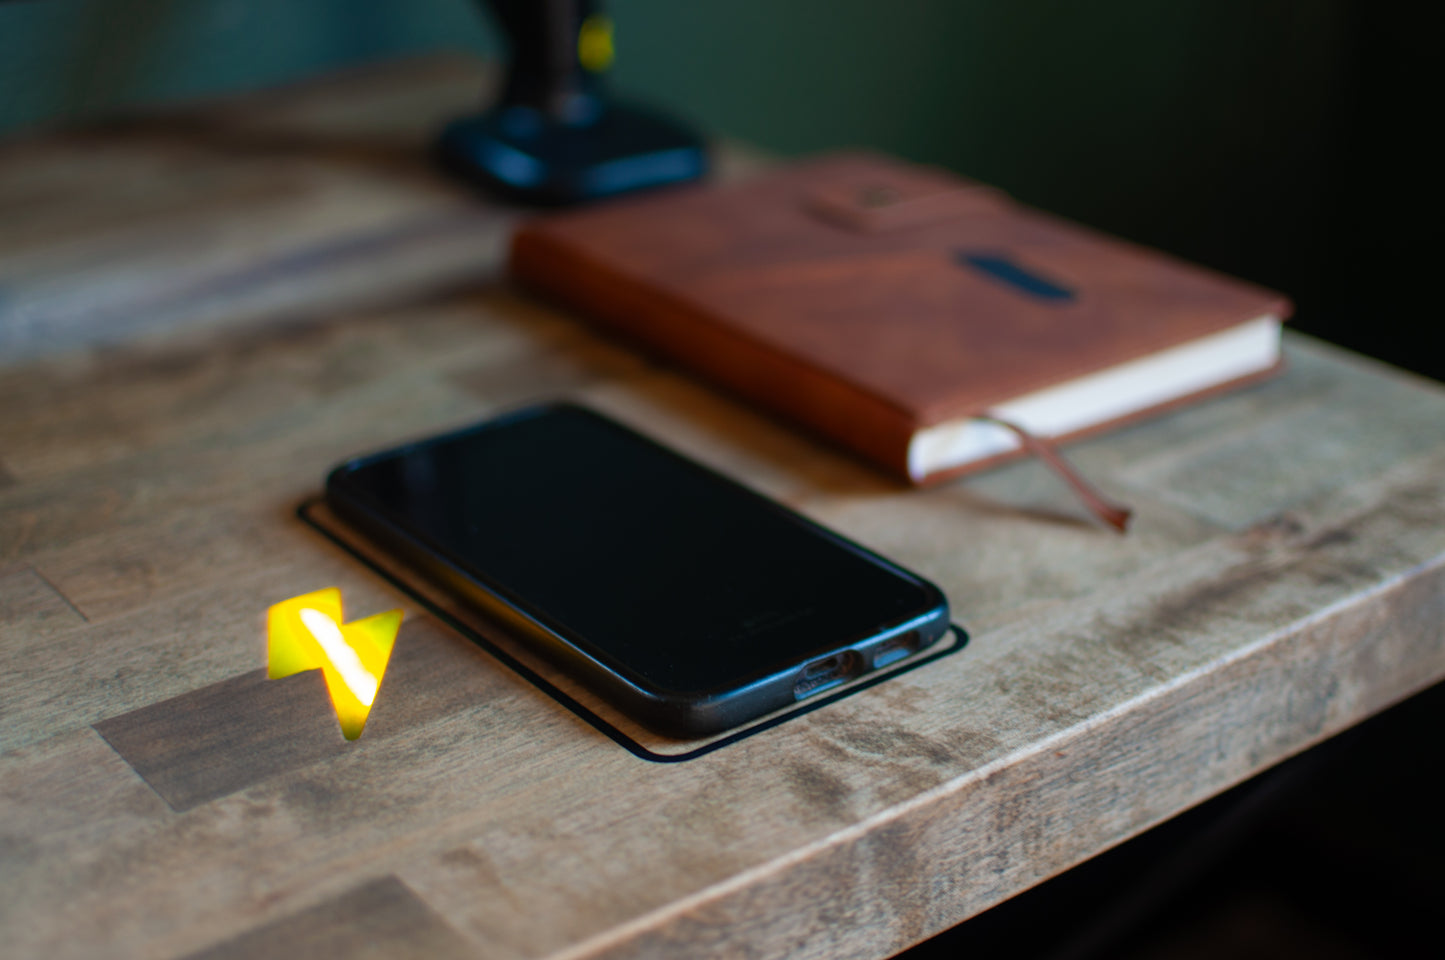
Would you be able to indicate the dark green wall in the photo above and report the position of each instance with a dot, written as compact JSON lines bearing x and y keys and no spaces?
{"x":64,"y":60}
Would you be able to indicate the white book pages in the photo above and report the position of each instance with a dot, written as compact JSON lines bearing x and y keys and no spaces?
{"x":1100,"y":397}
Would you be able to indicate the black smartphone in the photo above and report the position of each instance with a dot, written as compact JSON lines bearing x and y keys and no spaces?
{"x":689,"y":602}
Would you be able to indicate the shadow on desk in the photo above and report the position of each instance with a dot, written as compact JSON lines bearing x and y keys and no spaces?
{"x":1337,"y":854}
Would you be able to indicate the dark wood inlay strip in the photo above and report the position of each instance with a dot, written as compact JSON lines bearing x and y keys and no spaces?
{"x":379,"y":919}
{"x":225,"y":737}
{"x":228,"y":736}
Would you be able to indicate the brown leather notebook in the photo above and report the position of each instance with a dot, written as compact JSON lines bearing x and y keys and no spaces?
{"x":892,"y":307}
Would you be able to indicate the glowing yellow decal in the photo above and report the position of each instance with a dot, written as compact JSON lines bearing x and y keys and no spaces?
{"x":594,"y":43}
{"x":306,"y":633}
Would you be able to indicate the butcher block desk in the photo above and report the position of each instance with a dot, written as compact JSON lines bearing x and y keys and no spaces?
{"x":203,"y":310}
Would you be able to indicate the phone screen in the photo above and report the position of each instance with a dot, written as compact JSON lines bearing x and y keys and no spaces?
{"x":651,"y":563}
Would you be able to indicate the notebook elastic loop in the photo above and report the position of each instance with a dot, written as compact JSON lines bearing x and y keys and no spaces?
{"x":1114,"y":514}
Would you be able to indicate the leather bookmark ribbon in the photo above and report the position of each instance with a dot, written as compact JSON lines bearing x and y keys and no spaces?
{"x":1116,"y":515}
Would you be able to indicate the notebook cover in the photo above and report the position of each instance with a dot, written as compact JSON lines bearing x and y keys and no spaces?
{"x":867,"y":298}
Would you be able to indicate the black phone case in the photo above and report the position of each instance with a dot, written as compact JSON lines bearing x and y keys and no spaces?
{"x":668,"y":713}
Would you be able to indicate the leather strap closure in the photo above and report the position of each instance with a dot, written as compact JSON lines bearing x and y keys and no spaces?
{"x":897,"y":201}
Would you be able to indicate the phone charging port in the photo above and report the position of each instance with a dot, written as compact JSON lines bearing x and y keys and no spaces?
{"x":895,"y":648}
{"x":827,"y":672}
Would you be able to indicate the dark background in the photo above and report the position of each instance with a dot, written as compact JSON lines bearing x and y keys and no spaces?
{"x":1279,"y":140}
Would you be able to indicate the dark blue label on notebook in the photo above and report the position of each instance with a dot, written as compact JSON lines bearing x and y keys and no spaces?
{"x":997,"y":266}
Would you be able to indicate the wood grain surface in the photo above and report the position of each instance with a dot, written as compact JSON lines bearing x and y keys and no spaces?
{"x":168,"y":402}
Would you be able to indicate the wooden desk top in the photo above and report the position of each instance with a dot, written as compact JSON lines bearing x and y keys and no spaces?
{"x":277,"y":283}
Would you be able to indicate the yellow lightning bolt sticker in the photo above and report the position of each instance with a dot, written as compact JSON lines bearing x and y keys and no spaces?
{"x":306,"y":633}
